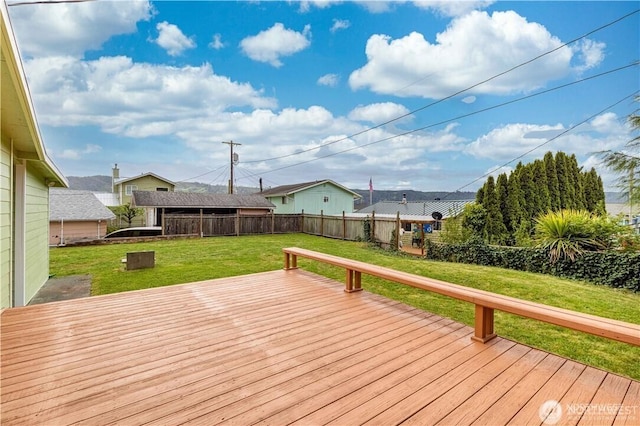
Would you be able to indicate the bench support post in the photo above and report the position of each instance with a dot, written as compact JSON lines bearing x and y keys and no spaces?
{"x":290,"y":261}
{"x":484,"y":324}
{"x":354,"y":281}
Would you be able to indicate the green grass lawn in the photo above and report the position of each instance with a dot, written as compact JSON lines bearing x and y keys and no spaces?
{"x":188,"y":260}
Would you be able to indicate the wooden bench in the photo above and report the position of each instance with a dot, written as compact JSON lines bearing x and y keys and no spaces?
{"x":484,"y":301}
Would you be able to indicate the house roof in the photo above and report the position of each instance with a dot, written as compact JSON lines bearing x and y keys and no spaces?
{"x":196,"y":200}
{"x":71,"y":205}
{"x":284,"y":190}
{"x":417,"y":209}
{"x":123,"y":180}
{"x":19,"y":122}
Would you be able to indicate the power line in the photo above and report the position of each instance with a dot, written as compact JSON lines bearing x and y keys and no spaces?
{"x":569,"y":129}
{"x":449,"y":96}
{"x":454,"y":118}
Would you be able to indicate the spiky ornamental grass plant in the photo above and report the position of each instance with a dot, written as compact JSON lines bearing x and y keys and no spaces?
{"x":568,"y":233}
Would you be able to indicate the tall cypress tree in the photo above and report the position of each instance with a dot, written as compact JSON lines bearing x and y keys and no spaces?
{"x":552,"y":181}
{"x":543,"y":201}
{"x":576,"y":180}
{"x":514,"y":208}
{"x":528,"y":191}
{"x":502,"y":192}
{"x":564,"y":186}
{"x":495,"y":230}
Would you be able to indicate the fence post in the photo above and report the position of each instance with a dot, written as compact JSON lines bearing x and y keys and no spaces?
{"x":237,"y":223}
{"x":273,"y":222}
{"x":162,"y":221}
{"x":201,"y":230}
{"x":397,"y":239}
{"x":344,"y":226}
{"x":322,"y":223}
{"x":373,"y":226}
{"x":302,"y":222}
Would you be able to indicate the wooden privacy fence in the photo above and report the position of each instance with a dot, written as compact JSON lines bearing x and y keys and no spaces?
{"x":341,"y":227}
{"x":232,"y":224}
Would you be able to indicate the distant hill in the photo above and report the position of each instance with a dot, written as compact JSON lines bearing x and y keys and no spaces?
{"x":103,"y":184}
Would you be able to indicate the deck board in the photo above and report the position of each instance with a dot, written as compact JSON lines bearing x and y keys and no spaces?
{"x":284,"y":347}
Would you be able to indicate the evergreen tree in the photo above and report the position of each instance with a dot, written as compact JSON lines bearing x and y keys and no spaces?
{"x":515,"y":199}
{"x":495,"y":231}
{"x":563,"y":181}
{"x":552,"y":181}
{"x":543,"y":200}
{"x":576,"y":182}
{"x":502,"y":193}
{"x":528,"y":191}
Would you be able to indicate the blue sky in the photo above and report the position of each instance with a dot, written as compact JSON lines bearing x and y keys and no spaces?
{"x":327,"y":89}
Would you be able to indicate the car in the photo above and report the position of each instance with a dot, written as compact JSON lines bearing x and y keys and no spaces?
{"x":138,"y":231}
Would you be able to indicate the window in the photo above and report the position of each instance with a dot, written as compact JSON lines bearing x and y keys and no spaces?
{"x":326,"y":199}
{"x":162,"y":189}
{"x":284,"y":200}
{"x":128,"y":190}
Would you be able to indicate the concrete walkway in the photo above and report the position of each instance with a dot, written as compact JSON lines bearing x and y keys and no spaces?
{"x":63,"y":288}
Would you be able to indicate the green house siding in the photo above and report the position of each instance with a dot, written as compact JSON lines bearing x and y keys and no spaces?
{"x":144,"y":183}
{"x":329,"y":199}
{"x":6,"y":228}
{"x":288,"y":207}
{"x":36,"y":233}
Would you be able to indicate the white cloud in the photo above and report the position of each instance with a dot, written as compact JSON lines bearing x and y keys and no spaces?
{"x":272,"y":44}
{"x":73,"y":28}
{"x":216,"y":42}
{"x":77,"y":154}
{"x":133,"y":99}
{"x":171,"y":39}
{"x":474,"y":47}
{"x":513,"y":140}
{"x":453,"y":8}
{"x":306,"y":5}
{"x":378,"y":113}
{"x":330,"y":80}
{"x":70,"y":154}
{"x":340,"y":24}
{"x":469,"y":99}
{"x":591,"y":54}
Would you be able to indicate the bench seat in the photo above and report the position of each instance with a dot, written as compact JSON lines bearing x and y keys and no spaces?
{"x":485,"y":302}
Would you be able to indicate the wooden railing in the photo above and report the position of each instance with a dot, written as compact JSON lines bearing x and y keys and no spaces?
{"x":485,"y":302}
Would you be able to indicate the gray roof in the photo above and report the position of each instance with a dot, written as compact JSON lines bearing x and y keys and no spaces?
{"x":199,"y":200}
{"x":422,"y":209}
{"x":283,"y":190}
{"x":72,"y":205}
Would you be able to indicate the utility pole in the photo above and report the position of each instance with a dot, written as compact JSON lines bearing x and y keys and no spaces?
{"x":233,"y":161}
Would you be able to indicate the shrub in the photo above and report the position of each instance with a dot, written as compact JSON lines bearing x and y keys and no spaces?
{"x":612,"y":268}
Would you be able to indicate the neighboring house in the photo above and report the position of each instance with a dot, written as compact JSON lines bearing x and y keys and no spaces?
{"x":193,"y":203}
{"x":324,"y":196}
{"x":417,"y":216}
{"x":626,"y":215}
{"x":421,"y":210}
{"x":124,"y":187}
{"x":26,"y":174}
{"x":76,"y":215}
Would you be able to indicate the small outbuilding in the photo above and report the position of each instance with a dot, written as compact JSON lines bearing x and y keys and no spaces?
{"x":75,"y":216}
{"x":157,"y":204}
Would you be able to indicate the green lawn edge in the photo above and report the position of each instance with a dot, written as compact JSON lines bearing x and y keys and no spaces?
{"x":189,"y":260}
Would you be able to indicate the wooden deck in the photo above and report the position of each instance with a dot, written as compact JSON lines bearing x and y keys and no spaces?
{"x":278,"y":348}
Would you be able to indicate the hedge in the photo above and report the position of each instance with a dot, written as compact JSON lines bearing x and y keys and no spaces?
{"x":614,"y":269}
